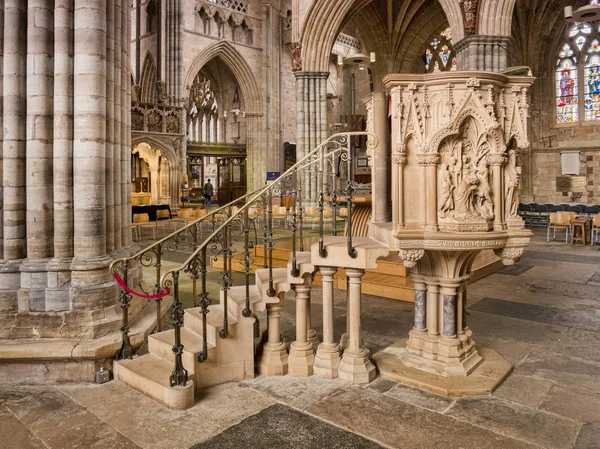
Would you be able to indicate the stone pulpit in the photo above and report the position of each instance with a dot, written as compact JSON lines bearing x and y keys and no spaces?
{"x":456,"y":138}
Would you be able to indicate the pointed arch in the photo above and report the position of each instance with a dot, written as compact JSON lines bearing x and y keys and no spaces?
{"x":148,"y":80}
{"x":494,"y":17}
{"x":167,"y":150}
{"x":238,"y":66}
{"x":325,"y":18}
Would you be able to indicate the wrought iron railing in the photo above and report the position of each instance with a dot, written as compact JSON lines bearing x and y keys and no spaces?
{"x":317,"y":172}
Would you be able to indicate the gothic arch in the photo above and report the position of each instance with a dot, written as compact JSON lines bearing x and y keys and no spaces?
{"x":238,"y":66}
{"x":166,"y":150}
{"x":494,"y":17}
{"x":325,"y":18}
{"x":148,"y":80}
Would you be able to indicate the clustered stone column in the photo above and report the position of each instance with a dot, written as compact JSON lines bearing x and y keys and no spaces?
{"x":65,"y":161}
{"x":311,"y":103}
{"x":489,"y":53}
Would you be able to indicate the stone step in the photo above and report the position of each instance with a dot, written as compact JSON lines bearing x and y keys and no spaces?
{"x":368,"y":251}
{"x":303,"y":262}
{"x":280,"y":283}
{"x":192,"y":319}
{"x":161,"y":346}
{"x":145,"y":321}
{"x":150,"y":376}
{"x":236,"y":299}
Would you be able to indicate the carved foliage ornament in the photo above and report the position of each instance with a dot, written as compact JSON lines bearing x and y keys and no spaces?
{"x":410,"y":257}
{"x":428,"y":159}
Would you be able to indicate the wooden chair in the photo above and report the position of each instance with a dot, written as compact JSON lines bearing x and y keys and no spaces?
{"x":143,"y":221}
{"x":164,"y":217}
{"x":559,"y":220}
{"x":185,"y":215}
{"x":595,"y":229}
{"x":200,"y":213}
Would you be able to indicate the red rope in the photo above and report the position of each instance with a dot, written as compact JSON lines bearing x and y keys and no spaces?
{"x":160,"y":294}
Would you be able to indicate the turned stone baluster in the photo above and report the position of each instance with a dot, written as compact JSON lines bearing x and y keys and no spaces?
{"x":355,"y":366}
{"x":327,"y":360}
{"x":274,"y":359}
{"x":301,"y":356}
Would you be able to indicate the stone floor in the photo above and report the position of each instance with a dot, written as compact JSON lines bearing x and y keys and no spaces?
{"x":542,"y":314}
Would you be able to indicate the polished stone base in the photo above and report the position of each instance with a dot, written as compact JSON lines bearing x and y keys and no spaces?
{"x":301,"y":359}
{"x":483,"y":380}
{"x":356,"y":367}
{"x":274,"y":360}
{"x":327,"y":361}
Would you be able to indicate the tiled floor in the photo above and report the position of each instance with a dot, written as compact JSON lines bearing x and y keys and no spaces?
{"x":543,"y":315}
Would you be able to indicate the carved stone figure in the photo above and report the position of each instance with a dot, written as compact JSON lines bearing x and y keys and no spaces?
{"x":465,"y":195}
{"x":511,"y":185}
{"x":447,"y":199}
{"x":296,"y":50}
{"x":469,"y":9}
{"x":483,"y":193}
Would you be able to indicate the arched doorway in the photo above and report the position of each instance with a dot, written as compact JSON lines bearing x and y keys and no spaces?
{"x":153,"y":174}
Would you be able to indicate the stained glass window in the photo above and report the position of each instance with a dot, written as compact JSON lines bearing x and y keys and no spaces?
{"x":578,"y":74}
{"x":439,"y":53}
{"x":567,"y":104}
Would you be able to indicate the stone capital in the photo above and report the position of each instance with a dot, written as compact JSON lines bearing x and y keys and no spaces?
{"x":410,"y":257}
{"x":496,"y":159}
{"x":399,"y":158}
{"x":428,"y":159}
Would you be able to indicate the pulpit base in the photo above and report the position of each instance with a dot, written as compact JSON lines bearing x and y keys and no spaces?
{"x":483,"y":380}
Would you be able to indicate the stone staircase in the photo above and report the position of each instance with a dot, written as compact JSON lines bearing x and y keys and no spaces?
{"x":233,"y":358}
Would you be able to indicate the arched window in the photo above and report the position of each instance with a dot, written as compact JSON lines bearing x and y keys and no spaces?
{"x":203,"y":113}
{"x":151,"y":17}
{"x":578,"y":74}
{"x":439,"y":54}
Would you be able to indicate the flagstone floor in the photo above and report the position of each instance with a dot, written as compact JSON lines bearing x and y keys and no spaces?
{"x":543,"y":315}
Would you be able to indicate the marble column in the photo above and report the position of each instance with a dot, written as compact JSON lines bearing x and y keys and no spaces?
{"x":355,"y":367}
{"x":274,"y":358}
{"x":327,"y":359}
{"x":301,"y":357}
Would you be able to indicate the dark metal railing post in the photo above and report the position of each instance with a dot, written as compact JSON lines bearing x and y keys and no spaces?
{"x":157,"y":289}
{"x":126,"y":351}
{"x":349,"y":197}
{"x":246,"y":312}
{"x":321,"y":202}
{"x":265,"y":231}
{"x":300,"y":211}
{"x":334,"y":202}
{"x":271,"y":290}
{"x":294,"y":224}
{"x":226,"y":278}
{"x":179,"y":375}
{"x":204,"y":303}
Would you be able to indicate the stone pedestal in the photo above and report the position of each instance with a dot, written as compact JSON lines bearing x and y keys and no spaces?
{"x":327,"y":359}
{"x":274,"y":358}
{"x":355,"y":366}
{"x":302,"y":355}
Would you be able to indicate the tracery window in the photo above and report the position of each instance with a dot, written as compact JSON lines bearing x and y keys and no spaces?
{"x":439,"y":55}
{"x":151,"y":16}
{"x":578,"y":74}
{"x":203,"y":114}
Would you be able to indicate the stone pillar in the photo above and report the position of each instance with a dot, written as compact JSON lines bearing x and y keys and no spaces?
{"x":311,"y":107}
{"x":301,"y":356}
{"x":380,"y":162}
{"x":398,"y":159}
{"x":430,"y":162}
{"x":311,"y":334}
{"x":355,"y":366}
{"x":125,"y":127}
{"x":497,"y":161}
{"x":485,"y":53}
{"x":110,"y":126}
{"x":327,"y":359}
{"x":14,"y":121}
{"x":432,"y":308}
{"x":117,"y":137}
{"x":274,"y":359}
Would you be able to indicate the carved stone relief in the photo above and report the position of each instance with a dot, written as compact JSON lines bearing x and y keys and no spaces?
{"x":465,"y":179}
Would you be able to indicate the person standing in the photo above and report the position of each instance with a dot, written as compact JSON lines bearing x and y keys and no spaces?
{"x":208,"y":191}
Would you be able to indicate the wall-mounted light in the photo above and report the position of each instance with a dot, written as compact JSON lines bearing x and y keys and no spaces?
{"x":340,"y":60}
{"x":587,"y":13}
{"x":373,"y":57}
